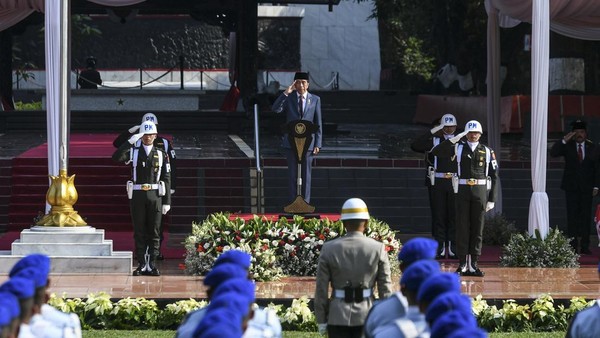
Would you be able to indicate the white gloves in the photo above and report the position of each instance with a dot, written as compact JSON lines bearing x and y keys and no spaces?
{"x":134,"y":129}
{"x":458,"y":137}
{"x":322,"y":329}
{"x":489,"y":206}
{"x":134,"y":138}
{"x":172,"y":191}
{"x":165,"y":209}
{"x":436,"y":129}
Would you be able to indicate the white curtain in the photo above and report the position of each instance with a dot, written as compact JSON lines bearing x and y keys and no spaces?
{"x":13,"y":11}
{"x":573,"y":18}
{"x":539,"y":218}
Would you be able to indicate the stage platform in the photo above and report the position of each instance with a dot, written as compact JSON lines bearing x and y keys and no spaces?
{"x":498,"y":284}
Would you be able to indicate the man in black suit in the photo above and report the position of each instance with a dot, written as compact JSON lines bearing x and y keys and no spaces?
{"x":579,"y":181}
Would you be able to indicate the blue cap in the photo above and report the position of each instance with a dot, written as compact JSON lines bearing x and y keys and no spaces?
{"x":417,"y":272}
{"x":38,"y":261}
{"x":471,"y":332}
{"x":417,"y":248}
{"x":221,"y":319}
{"x":223,"y":272}
{"x":450,"y":322}
{"x":231,"y":300}
{"x":242,"y":286}
{"x":238,"y":257}
{"x":20,"y":287}
{"x":37,"y":276}
{"x":10,"y":301}
{"x":436,"y":285}
{"x":5,"y":316}
{"x":448,"y":301}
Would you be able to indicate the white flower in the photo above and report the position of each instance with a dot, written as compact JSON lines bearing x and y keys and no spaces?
{"x":206,"y":245}
{"x":274,"y":243}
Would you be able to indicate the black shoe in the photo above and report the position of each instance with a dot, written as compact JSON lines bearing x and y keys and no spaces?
{"x":585,"y":251}
{"x":153,"y":272}
{"x":439,"y":256}
{"x":477,"y":272}
{"x":160,"y":257}
{"x":462,"y":270}
{"x":138,"y":271}
{"x":452,"y":256}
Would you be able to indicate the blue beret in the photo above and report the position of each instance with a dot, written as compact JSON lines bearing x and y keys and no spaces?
{"x":471,"y":332}
{"x":39,"y":278}
{"x":5,"y":316}
{"x":436,"y":285}
{"x":446,"y":302}
{"x":223,"y":272}
{"x":10,"y":301}
{"x":20,"y":287}
{"x":450,"y":322}
{"x":222,"y":318}
{"x":231,"y":300}
{"x":417,"y":272}
{"x":38,"y":261}
{"x":238,"y":257}
{"x":417,"y":248}
{"x":242,"y":286}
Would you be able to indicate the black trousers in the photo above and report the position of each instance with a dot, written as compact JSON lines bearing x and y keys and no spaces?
{"x":579,"y":216}
{"x":443,"y":210}
{"x":470,"y":217}
{"x":338,"y":331}
{"x":146,"y":214}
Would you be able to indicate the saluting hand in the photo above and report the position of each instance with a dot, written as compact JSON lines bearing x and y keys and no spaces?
{"x":569,"y":136}
{"x":291,"y":88}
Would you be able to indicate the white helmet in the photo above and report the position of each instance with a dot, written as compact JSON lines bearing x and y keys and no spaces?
{"x":149,"y":117}
{"x":448,"y":120}
{"x":473,"y":127}
{"x":148,"y":127}
{"x":354,"y":208}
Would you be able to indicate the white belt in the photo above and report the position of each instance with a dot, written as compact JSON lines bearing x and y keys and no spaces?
{"x":340,"y":293}
{"x":472,"y":181}
{"x":145,"y":187}
{"x":444,"y":175}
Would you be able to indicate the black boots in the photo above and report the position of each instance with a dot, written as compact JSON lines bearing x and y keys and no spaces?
{"x":468,"y":266}
{"x":139,"y":270}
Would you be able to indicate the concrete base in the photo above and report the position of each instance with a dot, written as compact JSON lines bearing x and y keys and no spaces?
{"x":72,"y":250}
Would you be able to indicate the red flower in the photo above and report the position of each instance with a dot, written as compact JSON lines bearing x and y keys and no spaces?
{"x":238,"y":238}
{"x":200,"y":248}
{"x":219,"y":249}
{"x":265,"y":247}
{"x":281,"y":243}
{"x":321,"y":237}
{"x":181,"y":266}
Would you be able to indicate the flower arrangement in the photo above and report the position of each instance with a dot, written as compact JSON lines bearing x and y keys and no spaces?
{"x":278,"y":247}
{"x":532,"y":251}
{"x":541,"y":316}
{"x":97,"y":311}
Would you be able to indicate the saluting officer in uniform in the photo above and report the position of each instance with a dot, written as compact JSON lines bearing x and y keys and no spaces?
{"x":149,"y":192}
{"x":161,"y":143}
{"x":351,"y":264}
{"x":475,"y":185}
{"x":440,"y":171}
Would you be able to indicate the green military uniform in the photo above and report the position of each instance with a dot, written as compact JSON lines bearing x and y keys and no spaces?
{"x":475,"y":168}
{"x":145,"y":203}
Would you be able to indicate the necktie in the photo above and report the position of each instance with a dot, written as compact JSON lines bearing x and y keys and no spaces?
{"x":579,"y":153}
{"x":301,"y":106}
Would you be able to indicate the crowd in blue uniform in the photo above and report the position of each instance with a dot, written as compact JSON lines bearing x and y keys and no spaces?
{"x":23,"y":309}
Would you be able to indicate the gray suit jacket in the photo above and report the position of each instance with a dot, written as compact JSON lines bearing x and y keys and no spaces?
{"x":357,"y":259}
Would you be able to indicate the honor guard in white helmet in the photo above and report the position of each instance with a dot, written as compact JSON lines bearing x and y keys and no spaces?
{"x":352,"y":265}
{"x":440,"y":171}
{"x":475,"y":187}
{"x":162,"y":143}
{"x":149,"y":192}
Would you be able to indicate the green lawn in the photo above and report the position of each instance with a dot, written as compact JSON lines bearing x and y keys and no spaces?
{"x":288,"y":334}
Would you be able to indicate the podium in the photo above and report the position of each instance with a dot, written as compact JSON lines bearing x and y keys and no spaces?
{"x":300,"y":137}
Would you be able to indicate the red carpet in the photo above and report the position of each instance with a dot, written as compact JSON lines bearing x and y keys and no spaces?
{"x":80,"y":145}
